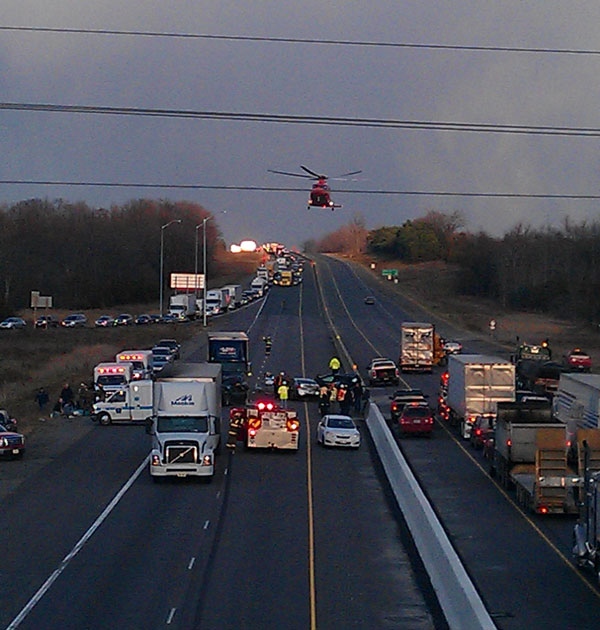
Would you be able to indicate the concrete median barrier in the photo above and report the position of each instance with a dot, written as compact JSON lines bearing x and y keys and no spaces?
{"x":455,"y":591}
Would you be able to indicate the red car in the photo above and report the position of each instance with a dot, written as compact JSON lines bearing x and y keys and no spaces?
{"x":416,"y":419}
{"x":578,"y":360}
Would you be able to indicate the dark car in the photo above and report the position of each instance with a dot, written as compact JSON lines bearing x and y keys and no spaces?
{"x":234,"y":389}
{"x":303,"y":388}
{"x":403,"y":397}
{"x":142,"y":320}
{"x":369,"y":300}
{"x":47,"y":321}
{"x":124,"y":319}
{"x":12,"y":444}
{"x":172,"y":344}
{"x":76,"y":320}
{"x":481,"y":431}
{"x":338,"y":379}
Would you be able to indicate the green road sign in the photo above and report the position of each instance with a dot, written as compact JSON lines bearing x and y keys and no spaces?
{"x":389,"y":272}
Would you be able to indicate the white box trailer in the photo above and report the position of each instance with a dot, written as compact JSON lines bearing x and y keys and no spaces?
{"x":577,"y":402}
{"x":416,"y":346}
{"x":476,"y":383}
{"x":186,"y":421}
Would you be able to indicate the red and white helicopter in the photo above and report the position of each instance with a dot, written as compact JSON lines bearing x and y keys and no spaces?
{"x":320,"y":195}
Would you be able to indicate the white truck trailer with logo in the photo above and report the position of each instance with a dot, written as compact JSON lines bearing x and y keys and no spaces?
{"x":577,"y":402}
{"x":476,"y":383}
{"x":416,"y":347}
{"x":186,"y":421}
{"x":131,"y":404}
{"x":141,"y":362}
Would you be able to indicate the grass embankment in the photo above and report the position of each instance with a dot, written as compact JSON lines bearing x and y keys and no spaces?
{"x":34,"y":358}
{"x":435,"y":286}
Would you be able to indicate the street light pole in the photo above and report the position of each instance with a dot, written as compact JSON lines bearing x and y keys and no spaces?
{"x":204,"y":270}
{"x":162,"y":252}
{"x":196,"y":265}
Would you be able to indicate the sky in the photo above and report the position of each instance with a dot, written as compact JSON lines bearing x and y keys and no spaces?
{"x":409,"y":83}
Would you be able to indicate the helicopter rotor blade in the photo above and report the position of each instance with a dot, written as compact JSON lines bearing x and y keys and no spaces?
{"x":351,"y":173}
{"x":290,"y":174}
{"x":304,"y":168}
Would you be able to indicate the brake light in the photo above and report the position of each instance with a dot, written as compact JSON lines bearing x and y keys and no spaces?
{"x":252,"y":432}
{"x":509,"y":442}
{"x":394,"y":407}
{"x":543,"y":509}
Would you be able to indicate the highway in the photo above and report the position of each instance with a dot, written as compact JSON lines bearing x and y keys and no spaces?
{"x":277,"y":540}
{"x":311,"y":539}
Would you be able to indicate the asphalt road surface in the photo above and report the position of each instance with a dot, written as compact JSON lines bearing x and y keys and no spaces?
{"x":307,"y":539}
{"x":310,"y":539}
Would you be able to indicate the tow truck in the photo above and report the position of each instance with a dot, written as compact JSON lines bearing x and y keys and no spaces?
{"x":267,"y":425}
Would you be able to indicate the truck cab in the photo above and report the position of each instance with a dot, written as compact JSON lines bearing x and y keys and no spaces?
{"x":185,"y":429}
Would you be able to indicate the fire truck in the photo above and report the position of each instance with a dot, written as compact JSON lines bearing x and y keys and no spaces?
{"x":266,"y":425}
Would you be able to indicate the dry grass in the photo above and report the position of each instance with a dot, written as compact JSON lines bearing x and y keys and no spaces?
{"x":30,"y":359}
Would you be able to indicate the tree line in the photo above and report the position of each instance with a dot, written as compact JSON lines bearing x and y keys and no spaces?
{"x":94,"y":258}
{"x":549,"y":270}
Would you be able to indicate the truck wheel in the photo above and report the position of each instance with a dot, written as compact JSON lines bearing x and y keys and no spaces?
{"x":104,"y":419}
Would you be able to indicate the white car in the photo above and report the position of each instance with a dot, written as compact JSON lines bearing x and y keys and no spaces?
{"x":338,"y":430}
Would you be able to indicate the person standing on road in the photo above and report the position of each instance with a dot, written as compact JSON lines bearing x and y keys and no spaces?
{"x":66,"y":398}
{"x":334,"y":365}
{"x":357,"y":394}
{"x":283,"y":393}
{"x":42,"y":398}
{"x":323,"y":401}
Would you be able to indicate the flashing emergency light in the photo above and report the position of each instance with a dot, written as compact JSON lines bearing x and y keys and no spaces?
{"x":265,"y":406}
{"x":292,"y":424}
{"x":111,"y":370}
{"x":131,"y":357}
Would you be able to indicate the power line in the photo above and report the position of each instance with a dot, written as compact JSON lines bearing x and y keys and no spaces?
{"x":418,"y":193}
{"x":304,"y":120}
{"x":301,"y":40}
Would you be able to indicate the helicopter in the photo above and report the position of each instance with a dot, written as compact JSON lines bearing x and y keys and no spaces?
{"x":320,"y":195}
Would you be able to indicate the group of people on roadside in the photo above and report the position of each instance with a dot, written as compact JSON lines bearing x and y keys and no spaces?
{"x":343,"y":397}
{"x":67,"y":402}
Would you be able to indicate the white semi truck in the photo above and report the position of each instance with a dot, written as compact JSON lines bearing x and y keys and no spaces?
{"x":476,"y":383}
{"x":183,"y":306}
{"x":235,"y":295}
{"x":216,"y":302}
{"x":186,"y":421}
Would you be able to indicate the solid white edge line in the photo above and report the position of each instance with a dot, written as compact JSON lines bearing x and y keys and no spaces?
{"x":76,"y":549}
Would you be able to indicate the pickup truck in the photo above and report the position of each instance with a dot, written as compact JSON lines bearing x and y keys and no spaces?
{"x":383,"y":372}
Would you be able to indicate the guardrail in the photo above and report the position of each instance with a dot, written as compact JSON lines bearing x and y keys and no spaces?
{"x":458,"y":598}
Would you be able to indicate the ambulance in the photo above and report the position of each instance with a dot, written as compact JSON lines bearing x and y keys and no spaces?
{"x":110,"y":377}
{"x":141,"y":361}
